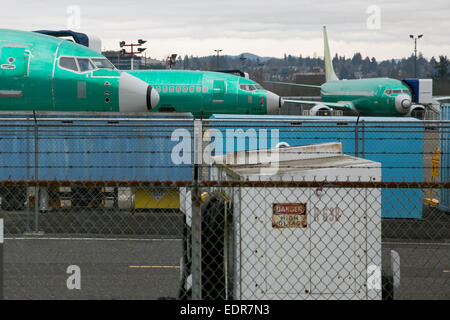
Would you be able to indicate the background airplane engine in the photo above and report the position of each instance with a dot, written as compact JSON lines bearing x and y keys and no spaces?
{"x":320,"y":110}
{"x":274,"y":103}
{"x":416,"y":111}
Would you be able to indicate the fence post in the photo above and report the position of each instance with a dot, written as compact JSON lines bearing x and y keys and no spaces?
{"x":2,"y":284}
{"x":36,"y":175}
{"x":357,"y":138}
{"x":363,"y":136}
{"x":196,"y":214}
{"x":28,"y":136}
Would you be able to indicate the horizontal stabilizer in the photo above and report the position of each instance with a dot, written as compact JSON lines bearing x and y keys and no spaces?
{"x":295,"y":84}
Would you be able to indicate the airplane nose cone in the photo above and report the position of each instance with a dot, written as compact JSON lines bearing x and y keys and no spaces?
{"x":152,"y":98}
{"x":403,"y":103}
{"x":136,"y":95}
{"x":274,"y":103}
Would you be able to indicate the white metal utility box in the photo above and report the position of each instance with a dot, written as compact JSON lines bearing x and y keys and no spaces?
{"x":302,"y":243}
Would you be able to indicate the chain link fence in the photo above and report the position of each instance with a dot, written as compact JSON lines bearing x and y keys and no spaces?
{"x":315,"y":240}
{"x":168,"y":207}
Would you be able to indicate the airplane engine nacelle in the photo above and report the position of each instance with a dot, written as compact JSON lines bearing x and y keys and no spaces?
{"x":416,"y":111}
{"x":320,"y":110}
{"x":136,"y":95}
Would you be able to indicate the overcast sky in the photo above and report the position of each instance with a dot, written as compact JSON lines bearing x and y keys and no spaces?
{"x":378,"y":28}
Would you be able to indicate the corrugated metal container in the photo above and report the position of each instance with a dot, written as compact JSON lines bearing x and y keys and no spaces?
{"x":444,"y":201}
{"x":91,"y":146}
{"x":396,"y":144}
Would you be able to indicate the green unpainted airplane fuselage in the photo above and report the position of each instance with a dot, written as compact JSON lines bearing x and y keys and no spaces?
{"x":366,"y":97}
{"x":41,"y":72}
{"x":204,"y":93}
{"x":372,"y":97}
{"x":44,"y":73}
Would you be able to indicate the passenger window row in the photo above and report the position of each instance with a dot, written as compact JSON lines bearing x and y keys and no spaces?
{"x":250,"y":87}
{"x":185,"y":89}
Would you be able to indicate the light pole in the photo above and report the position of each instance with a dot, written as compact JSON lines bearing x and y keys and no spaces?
{"x":218,"y":52}
{"x":132,"y":53}
{"x":172,"y":60}
{"x":415,"y":52}
{"x":261,"y":71}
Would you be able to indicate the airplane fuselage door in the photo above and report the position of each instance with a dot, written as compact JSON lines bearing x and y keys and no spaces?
{"x":219,"y":90}
{"x":14,"y":61}
{"x":14,"y":76}
{"x":70,"y":86}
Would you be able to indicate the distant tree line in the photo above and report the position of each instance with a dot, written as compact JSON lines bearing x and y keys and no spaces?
{"x":290,"y":67}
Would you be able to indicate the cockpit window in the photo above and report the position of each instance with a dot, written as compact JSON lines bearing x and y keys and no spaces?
{"x":68,"y":63}
{"x":85,"y":64}
{"x":102,"y":63}
{"x":397,"y":91}
{"x":244,"y":87}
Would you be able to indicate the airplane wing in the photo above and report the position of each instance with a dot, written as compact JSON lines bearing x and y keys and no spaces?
{"x":334,"y":105}
{"x":295,"y":84}
{"x":441,"y":98}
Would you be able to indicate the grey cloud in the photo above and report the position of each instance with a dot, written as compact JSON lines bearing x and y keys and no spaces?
{"x":285,"y":20}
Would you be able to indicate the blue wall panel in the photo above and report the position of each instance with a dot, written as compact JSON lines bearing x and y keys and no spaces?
{"x":397,"y":145}
{"x":106,"y":149}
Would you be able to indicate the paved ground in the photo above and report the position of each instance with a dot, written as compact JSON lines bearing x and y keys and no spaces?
{"x":94,"y":222}
{"x":149,"y":269}
{"x":435,"y":226}
{"x":110,"y":268}
{"x":424,"y":269}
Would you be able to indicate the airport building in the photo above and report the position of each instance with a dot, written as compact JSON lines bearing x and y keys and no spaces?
{"x":123,"y":62}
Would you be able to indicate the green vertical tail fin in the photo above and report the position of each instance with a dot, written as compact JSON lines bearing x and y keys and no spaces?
{"x":329,"y":70}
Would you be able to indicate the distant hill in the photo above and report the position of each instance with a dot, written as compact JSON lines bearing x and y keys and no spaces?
{"x":251,"y":56}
